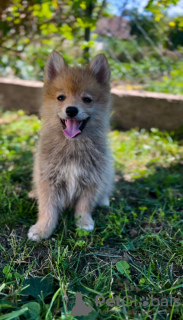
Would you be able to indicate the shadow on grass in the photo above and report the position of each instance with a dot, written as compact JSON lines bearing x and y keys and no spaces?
{"x":162,"y":188}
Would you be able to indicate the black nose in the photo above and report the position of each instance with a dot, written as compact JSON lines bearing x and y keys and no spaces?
{"x":72,"y":111}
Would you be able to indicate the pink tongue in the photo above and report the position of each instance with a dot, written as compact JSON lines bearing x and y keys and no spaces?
{"x":72,"y":128}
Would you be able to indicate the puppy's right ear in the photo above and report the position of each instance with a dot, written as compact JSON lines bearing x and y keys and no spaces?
{"x":54,"y":66}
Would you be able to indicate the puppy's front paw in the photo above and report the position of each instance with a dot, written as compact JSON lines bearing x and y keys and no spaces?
{"x":85,"y":222}
{"x":38,"y":232}
{"x":32,"y":194}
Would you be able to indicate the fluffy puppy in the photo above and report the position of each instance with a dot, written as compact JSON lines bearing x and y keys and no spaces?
{"x":73,"y":166}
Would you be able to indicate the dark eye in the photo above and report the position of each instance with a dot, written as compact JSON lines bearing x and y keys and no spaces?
{"x":87,"y":100}
{"x":61,"y":98}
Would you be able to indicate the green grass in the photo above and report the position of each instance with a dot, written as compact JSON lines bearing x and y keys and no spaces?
{"x":136,"y":248}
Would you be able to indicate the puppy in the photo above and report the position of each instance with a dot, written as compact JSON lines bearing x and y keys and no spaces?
{"x":73,"y":166}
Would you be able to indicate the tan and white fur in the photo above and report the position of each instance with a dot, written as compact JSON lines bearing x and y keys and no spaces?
{"x":76,"y":170}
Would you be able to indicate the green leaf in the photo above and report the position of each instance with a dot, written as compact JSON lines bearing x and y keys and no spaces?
{"x":149,"y":4}
{"x":9,"y":276}
{"x":33,"y":312}
{"x":38,"y":287}
{"x":181,"y":24}
{"x":67,"y":31}
{"x":123,"y":267}
{"x":142,"y":281}
{"x":45,"y":10}
{"x":17,"y":275}
{"x":6,"y":269}
{"x":13,"y":315}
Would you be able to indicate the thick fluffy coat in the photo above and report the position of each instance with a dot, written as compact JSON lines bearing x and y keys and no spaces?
{"x":73,"y":166}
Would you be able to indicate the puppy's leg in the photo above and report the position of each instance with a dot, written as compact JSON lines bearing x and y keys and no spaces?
{"x":107,"y":187}
{"x":33,"y":194}
{"x":48,"y":213}
{"x":83,"y":211}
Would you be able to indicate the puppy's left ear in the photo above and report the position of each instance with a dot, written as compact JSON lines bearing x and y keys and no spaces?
{"x":100,"y":68}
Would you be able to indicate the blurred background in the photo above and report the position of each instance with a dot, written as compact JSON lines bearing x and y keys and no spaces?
{"x":142,"y":39}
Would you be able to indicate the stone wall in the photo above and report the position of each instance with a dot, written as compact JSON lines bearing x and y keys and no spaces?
{"x":147,"y":110}
{"x":16,"y":94}
{"x":131,"y":109}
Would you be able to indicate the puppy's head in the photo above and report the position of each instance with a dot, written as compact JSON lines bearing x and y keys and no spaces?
{"x":78,"y":97}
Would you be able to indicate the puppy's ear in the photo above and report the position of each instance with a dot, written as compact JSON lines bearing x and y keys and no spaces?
{"x":100,"y":68}
{"x":54,"y":66}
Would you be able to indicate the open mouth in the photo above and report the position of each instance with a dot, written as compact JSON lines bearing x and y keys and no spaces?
{"x":72,"y":128}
